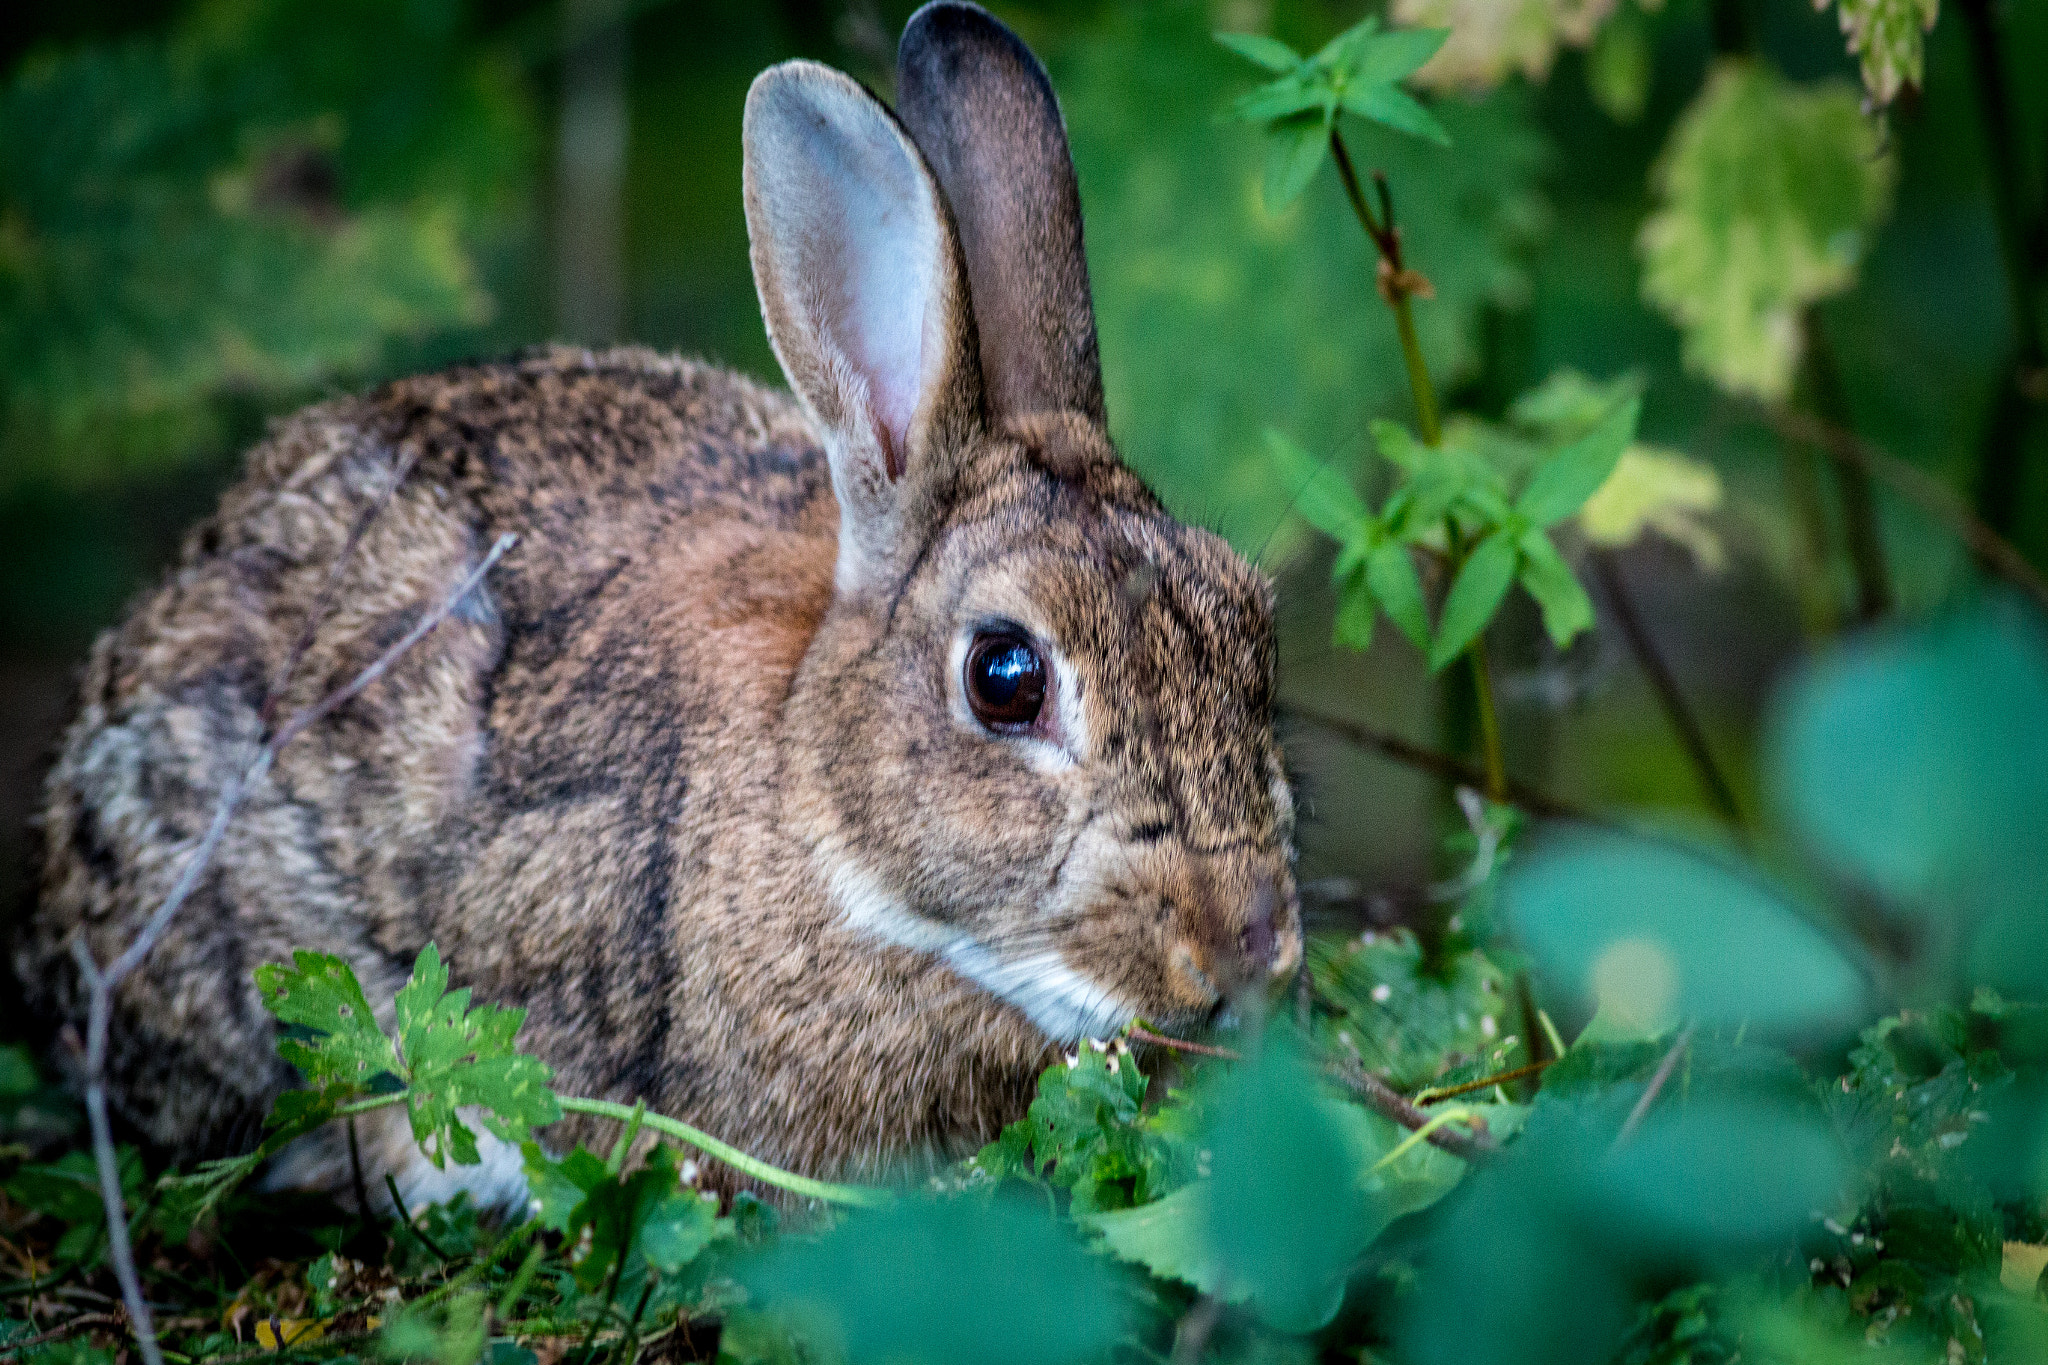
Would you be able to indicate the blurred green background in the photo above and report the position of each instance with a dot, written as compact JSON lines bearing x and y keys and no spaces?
{"x":212,"y":212}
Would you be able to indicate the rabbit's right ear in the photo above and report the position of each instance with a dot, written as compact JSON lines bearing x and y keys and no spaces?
{"x":865,"y":299}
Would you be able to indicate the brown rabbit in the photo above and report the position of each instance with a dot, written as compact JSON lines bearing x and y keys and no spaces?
{"x":812,"y":768}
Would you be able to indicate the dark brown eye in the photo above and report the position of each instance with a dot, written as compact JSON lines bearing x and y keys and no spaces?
{"x":1005,"y":681}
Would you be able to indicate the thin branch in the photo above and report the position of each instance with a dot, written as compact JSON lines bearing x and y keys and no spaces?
{"x":1451,"y":769}
{"x":103,"y":984}
{"x":1865,"y":541}
{"x":1139,"y":1033}
{"x":1438,"y":1096}
{"x":1390,"y":1103}
{"x":1657,"y":1079}
{"x":1930,"y":494}
{"x":1607,"y":567}
{"x":80,"y":1323}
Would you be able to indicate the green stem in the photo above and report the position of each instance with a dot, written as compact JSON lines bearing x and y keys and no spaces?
{"x":1489,"y":722}
{"x":854,"y":1196}
{"x":1396,"y":285}
{"x":374,"y":1102}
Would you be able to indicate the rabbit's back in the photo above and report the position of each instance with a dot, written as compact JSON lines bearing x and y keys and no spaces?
{"x":511,"y":789}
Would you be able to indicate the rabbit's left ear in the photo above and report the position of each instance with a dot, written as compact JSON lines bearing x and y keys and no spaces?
{"x":981,"y":109}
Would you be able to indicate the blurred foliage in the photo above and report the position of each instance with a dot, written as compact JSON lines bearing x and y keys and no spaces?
{"x":1768,"y":196}
{"x":256,"y":201}
{"x":1492,"y":38}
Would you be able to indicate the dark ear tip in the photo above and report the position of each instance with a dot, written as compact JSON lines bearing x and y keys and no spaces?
{"x":942,"y":31}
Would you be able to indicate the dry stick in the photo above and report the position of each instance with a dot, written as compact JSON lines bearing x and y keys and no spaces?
{"x":1607,"y":566}
{"x":103,"y":984}
{"x":60,"y":1331}
{"x":1390,"y":1103}
{"x":1932,"y":495}
{"x":1657,"y":1079}
{"x":1437,"y":1096}
{"x":1437,"y":764}
{"x":1140,"y":1033}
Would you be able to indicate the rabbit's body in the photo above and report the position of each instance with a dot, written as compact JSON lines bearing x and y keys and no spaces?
{"x":732,"y":773}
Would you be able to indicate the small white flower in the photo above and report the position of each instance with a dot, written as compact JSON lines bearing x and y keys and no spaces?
{"x":1487,"y":1026}
{"x":1382,"y":993}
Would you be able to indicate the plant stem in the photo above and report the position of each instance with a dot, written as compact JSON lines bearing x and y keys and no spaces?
{"x":1607,"y":566}
{"x":854,"y":1196}
{"x":1489,"y":722}
{"x":1397,"y":283}
{"x":1998,"y":478}
{"x":1859,"y":508}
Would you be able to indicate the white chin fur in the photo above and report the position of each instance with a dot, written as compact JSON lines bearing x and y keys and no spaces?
{"x":1064,"y":1004}
{"x":496,"y":1185}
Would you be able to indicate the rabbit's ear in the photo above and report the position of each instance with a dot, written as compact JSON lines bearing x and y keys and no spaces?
{"x":866,"y":304}
{"x":983,"y":113}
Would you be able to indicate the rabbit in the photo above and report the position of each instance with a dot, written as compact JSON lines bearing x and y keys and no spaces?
{"x":817,"y":767}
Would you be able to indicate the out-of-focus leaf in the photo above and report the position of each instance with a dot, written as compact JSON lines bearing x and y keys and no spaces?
{"x":1491,"y":38}
{"x":1325,"y":499}
{"x":1619,"y":67}
{"x":1917,"y":759}
{"x":1391,"y":572}
{"x":1657,"y":490}
{"x":1488,"y":573}
{"x":1660,"y":932}
{"x":1768,"y":196}
{"x":1270,"y":53}
{"x":954,"y":1280}
{"x":1720,"y":1173}
{"x":1357,"y":613}
{"x":1546,"y":577}
{"x":1564,"y":480}
{"x":1299,"y":145}
{"x":1889,"y":35}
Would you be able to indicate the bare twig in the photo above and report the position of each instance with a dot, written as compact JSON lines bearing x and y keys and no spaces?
{"x":102,"y":985}
{"x":1437,"y":764}
{"x":1694,"y":739}
{"x":82,"y":1322}
{"x":324,"y":602}
{"x":1929,"y":493}
{"x":1657,"y":1079}
{"x":1440,"y":1094}
{"x":1139,"y":1033}
{"x":1390,"y":1103}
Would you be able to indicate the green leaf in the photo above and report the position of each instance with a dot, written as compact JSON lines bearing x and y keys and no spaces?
{"x":1917,"y":762}
{"x":1655,"y":932}
{"x":1396,"y":54}
{"x":1357,"y":612}
{"x":1484,"y":580}
{"x":1391,"y":574}
{"x":1281,"y":100}
{"x":1270,"y":53}
{"x":1768,"y":198}
{"x":1397,"y":109}
{"x":1298,"y":146}
{"x":456,"y":1056}
{"x":1564,"y":481}
{"x":1547,"y":578}
{"x":1889,"y":34}
{"x":1322,"y":495}
{"x":952,"y":1280}
{"x":319,"y":992}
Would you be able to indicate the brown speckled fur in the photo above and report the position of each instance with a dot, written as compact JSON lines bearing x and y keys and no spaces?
{"x":614,"y":787}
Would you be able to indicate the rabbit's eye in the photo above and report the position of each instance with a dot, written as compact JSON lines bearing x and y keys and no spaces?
{"x":1005,"y":681}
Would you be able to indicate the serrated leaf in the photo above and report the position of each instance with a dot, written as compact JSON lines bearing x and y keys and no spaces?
{"x":1297,"y":148}
{"x":1325,"y":499}
{"x":1476,"y":593}
{"x":1564,"y":481}
{"x":1768,"y":196}
{"x":319,"y":992}
{"x":1546,"y":577}
{"x":1890,"y":37}
{"x":1397,"y":109}
{"x":1391,"y":574}
{"x":1489,"y":39}
{"x":455,"y":1056}
{"x":1269,"y":53}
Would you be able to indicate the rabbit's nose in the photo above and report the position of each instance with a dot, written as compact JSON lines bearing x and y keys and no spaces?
{"x":1269,"y":944}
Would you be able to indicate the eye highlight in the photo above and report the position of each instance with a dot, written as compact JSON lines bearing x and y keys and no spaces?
{"x":1005,"y":680}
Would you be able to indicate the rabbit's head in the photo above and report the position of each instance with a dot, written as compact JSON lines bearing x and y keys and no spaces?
{"x":1034,"y":731}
